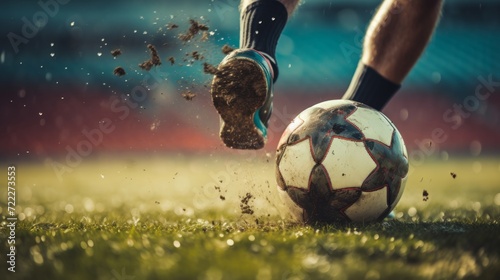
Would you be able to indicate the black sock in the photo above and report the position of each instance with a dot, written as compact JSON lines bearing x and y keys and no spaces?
{"x":370,"y":88}
{"x":261,"y":25}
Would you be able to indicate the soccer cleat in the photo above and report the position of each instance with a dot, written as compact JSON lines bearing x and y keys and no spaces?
{"x":242,"y":93}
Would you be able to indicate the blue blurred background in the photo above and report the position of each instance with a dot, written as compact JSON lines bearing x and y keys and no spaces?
{"x":57,"y":73}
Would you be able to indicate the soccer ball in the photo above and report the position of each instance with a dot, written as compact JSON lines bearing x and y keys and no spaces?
{"x":341,"y":161}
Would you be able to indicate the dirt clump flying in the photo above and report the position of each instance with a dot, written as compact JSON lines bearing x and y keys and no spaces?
{"x":193,"y":30}
{"x":210,"y":69}
{"x":245,"y":206}
{"x":119,"y":71}
{"x":116,"y":52}
{"x":226,"y":49}
{"x":425,"y":195}
{"x":153,"y":61}
{"x":188,"y":95}
{"x":171,"y":26}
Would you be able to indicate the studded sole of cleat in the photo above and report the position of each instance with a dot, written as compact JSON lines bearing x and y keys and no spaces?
{"x":238,"y":90}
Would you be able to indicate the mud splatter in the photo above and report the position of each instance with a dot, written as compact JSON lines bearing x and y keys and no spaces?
{"x":188,"y":95}
{"x":153,"y":61}
{"x":119,"y":71}
{"x":210,"y":69}
{"x":245,"y":206}
{"x":425,"y":195}
{"x":116,"y":52}
{"x":193,"y":30}
{"x":226,"y":49}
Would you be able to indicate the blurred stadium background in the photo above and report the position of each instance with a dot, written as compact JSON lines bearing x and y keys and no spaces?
{"x":134,"y":152}
{"x":58,"y":80}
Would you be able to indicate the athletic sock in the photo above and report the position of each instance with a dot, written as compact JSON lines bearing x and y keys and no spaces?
{"x":261,"y":25}
{"x":370,"y":88}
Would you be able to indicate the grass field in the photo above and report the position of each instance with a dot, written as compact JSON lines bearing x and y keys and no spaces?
{"x":182,"y":217}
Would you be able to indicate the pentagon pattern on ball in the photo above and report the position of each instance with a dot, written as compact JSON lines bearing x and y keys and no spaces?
{"x":350,"y":161}
{"x":374,"y":203}
{"x":389,"y":172}
{"x":373,"y":125}
{"x":297,"y":163}
{"x":322,"y":125}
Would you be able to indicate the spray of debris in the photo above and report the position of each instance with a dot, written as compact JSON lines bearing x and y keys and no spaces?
{"x":245,"y":206}
{"x":153,"y":61}
{"x":193,"y":30}
{"x":425,"y":195}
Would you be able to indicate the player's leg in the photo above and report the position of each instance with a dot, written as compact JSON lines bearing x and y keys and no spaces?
{"x":242,"y":90}
{"x":395,"y":39}
{"x":261,"y":24}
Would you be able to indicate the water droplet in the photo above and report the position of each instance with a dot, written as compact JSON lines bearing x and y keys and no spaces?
{"x":230,"y":242}
{"x":99,"y":53}
{"x":69,"y":208}
{"x":52,"y":54}
{"x":51,"y":44}
{"x":497,"y":199}
{"x":412,"y":211}
{"x":273,"y":18}
{"x":177,"y":244}
{"x":72,"y":23}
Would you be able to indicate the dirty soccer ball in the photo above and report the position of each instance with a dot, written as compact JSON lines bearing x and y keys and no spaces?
{"x":341,"y":161}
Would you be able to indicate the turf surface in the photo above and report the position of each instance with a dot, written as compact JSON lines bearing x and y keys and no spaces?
{"x":177,"y":217}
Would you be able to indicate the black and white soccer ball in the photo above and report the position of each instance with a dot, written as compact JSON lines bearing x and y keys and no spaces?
{"x":341,"y":161}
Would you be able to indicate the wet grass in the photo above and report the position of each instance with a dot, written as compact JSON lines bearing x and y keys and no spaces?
{"x":152,"y":219}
